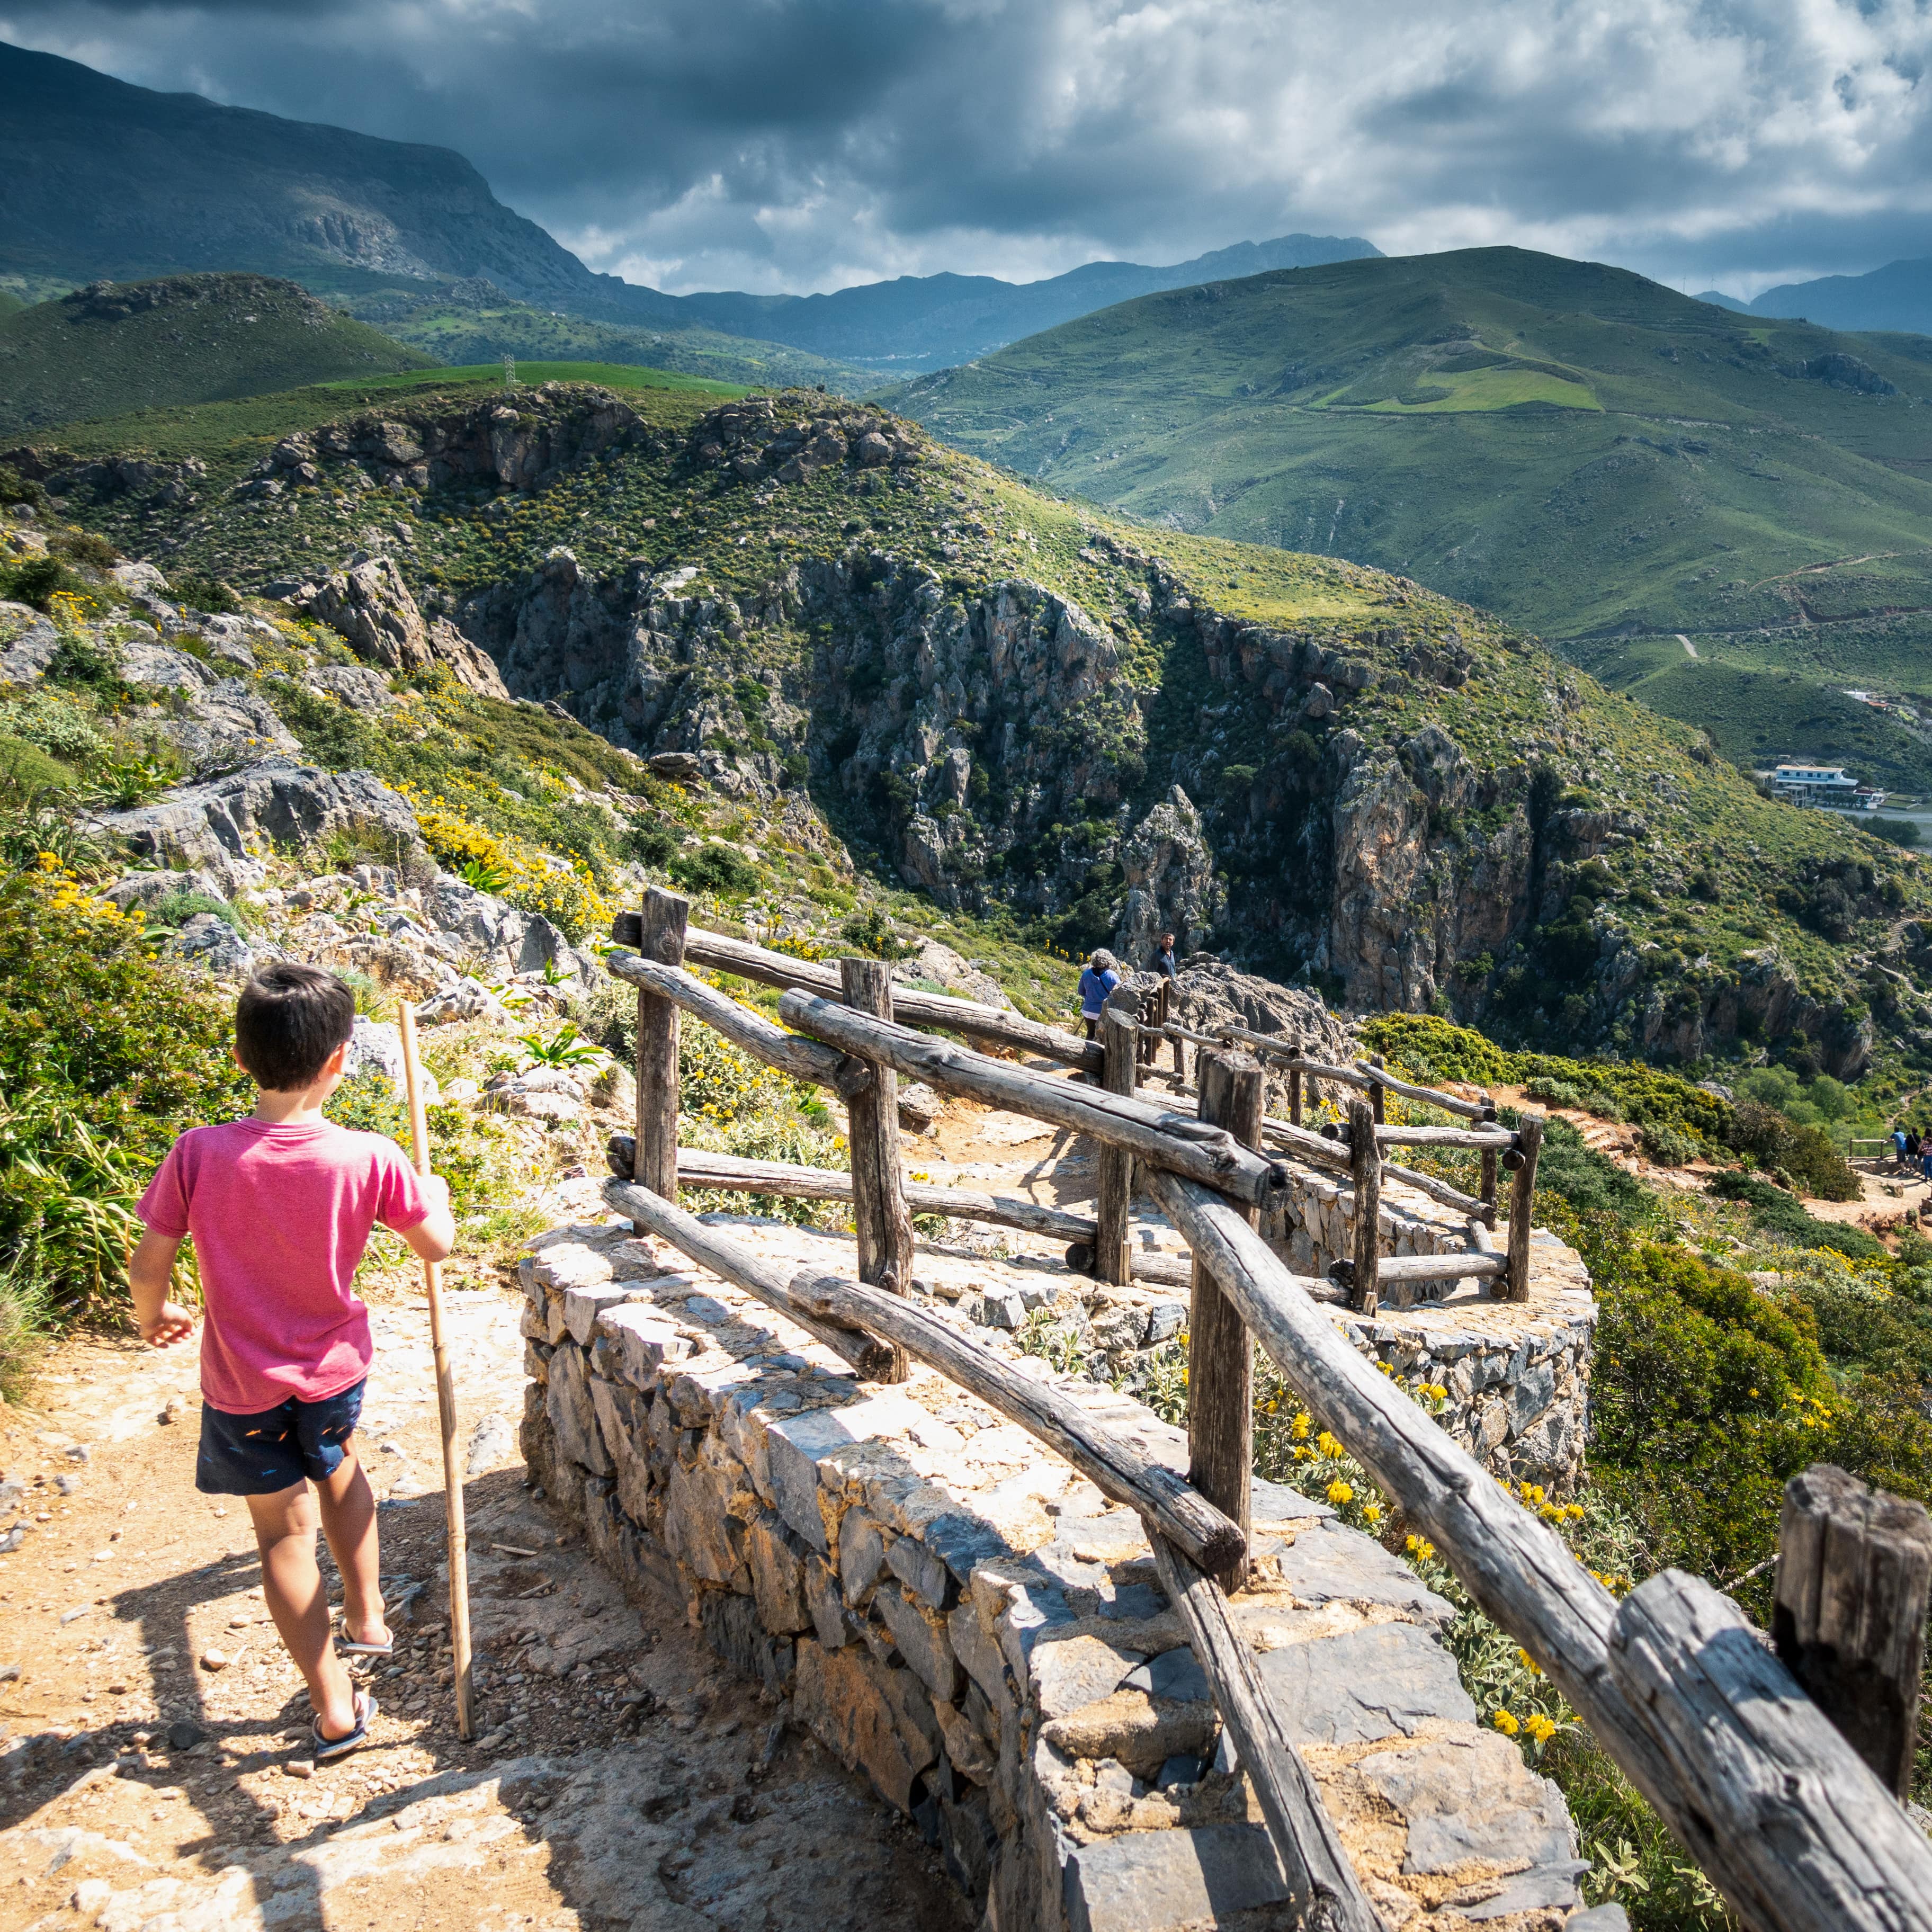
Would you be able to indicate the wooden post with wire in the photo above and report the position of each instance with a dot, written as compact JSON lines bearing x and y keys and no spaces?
{"x":445,"y":1403}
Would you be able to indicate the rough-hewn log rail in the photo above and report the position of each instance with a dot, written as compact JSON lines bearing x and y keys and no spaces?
{"x":1176,"y":1141}
{"x":698,"y":1168}
{"x":1321,"y":1882}
{"x":803,"y":1059}
{"x":1437,"y":1268}
{"x":718,"y":953}
{"x":1522,"y":1575}
{"x":770,"y":1285}
{"x":1113,"y":1463}
{"x":1296,"y":1060}
{"x":1436,"y":1189}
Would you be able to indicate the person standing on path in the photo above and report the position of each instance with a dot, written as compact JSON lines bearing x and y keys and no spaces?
{"x":280,"y":1207}
{"x":1100,"y":978}
{"x":1163,"y":957}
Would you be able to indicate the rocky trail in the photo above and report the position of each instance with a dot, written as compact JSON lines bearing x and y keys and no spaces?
{"x":155,"y":1769}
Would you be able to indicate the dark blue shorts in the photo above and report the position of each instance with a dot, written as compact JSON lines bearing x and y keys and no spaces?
{"x":263,"y":1455}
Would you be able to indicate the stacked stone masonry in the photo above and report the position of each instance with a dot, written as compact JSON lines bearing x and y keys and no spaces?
{"x":1517,"y":1373}
{"x":947,"y":1606}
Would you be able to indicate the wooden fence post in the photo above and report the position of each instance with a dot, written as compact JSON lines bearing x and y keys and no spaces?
{"x":1220,"y":1358}
{"x":1854,"y":1577}
{"x":1120,"y":1040}
{"x":1365,"y":1163}
{"x":1487,"y":1188}
{"x":1378,"y":1093}
{"x":1521,"y":1159}
{"x":661,"y":938}
{"x":872,"y":1128}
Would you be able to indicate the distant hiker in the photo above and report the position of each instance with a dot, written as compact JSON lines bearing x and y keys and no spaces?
{"x":281,"y":1206}
{"x":1100,"y":978}
{"x":1913,"y":1146}
{"x":1898,"y":1154}
{"x":1163,"y":959}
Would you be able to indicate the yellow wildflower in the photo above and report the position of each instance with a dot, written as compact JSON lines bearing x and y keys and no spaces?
{"x":1539,"y":1727}
{"x":1505,"y":1723}
{"x":1340,"y":1492}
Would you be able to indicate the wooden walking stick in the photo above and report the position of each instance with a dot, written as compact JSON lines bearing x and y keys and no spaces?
{"x":445,"y":1403}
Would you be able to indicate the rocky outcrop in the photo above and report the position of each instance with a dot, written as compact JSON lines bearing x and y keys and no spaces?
{"x":370,"y":605}
{"x":1210,"y":994}
{"x":1170,"y":881}
{"x":226,"y":827}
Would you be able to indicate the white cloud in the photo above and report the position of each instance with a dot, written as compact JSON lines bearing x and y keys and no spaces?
{"x":804,"y":144}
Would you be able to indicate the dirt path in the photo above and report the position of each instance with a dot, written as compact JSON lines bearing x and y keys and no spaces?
{"x":623,"y":1778}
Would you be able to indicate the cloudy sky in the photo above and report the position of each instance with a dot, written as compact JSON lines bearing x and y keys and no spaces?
{"x":808,"y":144}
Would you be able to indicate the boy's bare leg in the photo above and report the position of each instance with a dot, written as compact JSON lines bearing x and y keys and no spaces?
{"x":349,"y":1522}
{"x":285,"y":1526}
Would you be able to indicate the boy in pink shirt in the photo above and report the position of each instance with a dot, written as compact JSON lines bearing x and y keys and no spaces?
{"x":281,"y":1206}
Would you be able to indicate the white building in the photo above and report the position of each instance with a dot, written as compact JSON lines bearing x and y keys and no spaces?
{"x":1830,"y":785}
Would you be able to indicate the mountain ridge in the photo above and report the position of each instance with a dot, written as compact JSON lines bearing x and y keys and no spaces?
{"x":1588,"y":453}
{"x":1896,"y":299}
{"x":106,"y":180}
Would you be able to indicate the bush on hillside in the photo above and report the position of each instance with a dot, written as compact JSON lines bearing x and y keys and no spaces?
{"x":37,"y":580}
{"x":1816,"y":1167}
{"x":1781,"y":1214}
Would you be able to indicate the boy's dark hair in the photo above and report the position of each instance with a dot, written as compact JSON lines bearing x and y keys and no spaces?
{"x":288,"y":1021}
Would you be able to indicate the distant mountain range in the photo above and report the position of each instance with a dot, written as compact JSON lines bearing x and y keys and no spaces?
{"x":1896,"y":298}
{"x":108,"y":180}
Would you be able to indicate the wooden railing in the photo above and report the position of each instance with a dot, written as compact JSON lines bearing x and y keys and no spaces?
{"x":1790,"y":1801}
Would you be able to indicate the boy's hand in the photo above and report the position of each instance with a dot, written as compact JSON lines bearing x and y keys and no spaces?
{"x":174,"y":1324}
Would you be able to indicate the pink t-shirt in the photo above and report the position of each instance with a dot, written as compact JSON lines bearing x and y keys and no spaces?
{"x":279,"y":1216}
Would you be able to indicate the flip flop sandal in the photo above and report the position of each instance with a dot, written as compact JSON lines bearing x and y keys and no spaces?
{"x":329,"y":1749}
{"x":344,"y":1648}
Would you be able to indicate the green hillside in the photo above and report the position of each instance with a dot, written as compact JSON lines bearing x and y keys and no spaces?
{"x":110,"y":348}
{"x":1556,"y":862}
{"x":1582,"y":451}
{"x":472,"y":321}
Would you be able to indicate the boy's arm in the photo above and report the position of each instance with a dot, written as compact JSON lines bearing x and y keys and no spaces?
{"x":433,"y":1237}
{"x":162,"y":1322}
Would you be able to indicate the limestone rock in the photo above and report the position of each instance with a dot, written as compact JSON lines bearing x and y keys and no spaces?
{"x":1171,"y":883}
{"x":221,"y":825}
{"x":370,"y":605}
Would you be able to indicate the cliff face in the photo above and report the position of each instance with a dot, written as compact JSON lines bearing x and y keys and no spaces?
{"x":1316,"y":770}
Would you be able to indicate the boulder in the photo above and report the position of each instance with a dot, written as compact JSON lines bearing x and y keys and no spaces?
{"x":32,"y":649}
{"x":222,"y":826}
{"x":370,"y":605}
{"x":209,"y":940}
{"x":1210,"y":994}
{"x":376,"y":1046}
{"x":1171,"y":883}
{"x":137,"y":578}
{"x":355,"y":686}
{"x":147,"y":889}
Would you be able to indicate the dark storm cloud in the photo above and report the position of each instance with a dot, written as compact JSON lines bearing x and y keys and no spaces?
{"x":806,"y":143}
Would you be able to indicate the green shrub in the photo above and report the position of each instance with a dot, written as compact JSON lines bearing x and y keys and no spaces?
{"x":1670,"y":1147}
{"x":37,"y":580}
{"x":83,"y":549}
{"x":715,"y":868}
{"x":1781,"y":1214}
{"x":1893,"y":831}
{"x":24,"y":768}
{"x":1554,"y":1093}
{"x":105,"y":1056}
{"x":56,"y":723}
{"x":1816,"y":1167}
{"x":194,"y":591}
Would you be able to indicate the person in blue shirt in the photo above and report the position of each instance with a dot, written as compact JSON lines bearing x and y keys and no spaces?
{"x":1100,"y":978}
{"x":1898,"y":1147}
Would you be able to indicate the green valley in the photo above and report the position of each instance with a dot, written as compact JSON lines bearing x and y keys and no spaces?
{"x":1587,"y":453}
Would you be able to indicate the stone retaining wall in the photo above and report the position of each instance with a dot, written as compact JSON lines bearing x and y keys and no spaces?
{"x":946,"y":1605}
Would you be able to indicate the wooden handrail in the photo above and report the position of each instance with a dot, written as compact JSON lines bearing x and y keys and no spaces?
{"x":1800,"y":1816}
{"x":1158,"y":1138}
{"x":718,"y":952}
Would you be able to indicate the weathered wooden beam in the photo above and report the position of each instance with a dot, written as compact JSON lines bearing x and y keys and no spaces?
{"x":1522,"y":1198}
{"x":1220,"y":1360}
{"x":1430,"y":1096}
{"x":1321,"y":1883}
{"x":718,"y":952}
{"x":1366,"y":1217}
{"x":803,"y":1059}
{"x":1143,"y":1264}
{"x":1854,"y":1578}
{"x":1155,"y":1137}
{"x":1305,"y":1144}
{"x":1782,"y":1814}
{"x":1377,"y":1088}
{"x":1497,"y":1140}
{"x":1115,"y":1465}
{"x":1518,"y":1570}
{"x":879,"y":1211}
{"x":1436,"y":1189}
{"x":1410,"y":1268}
{"x":1120,"y":1047}
{"x":661,"y":929}
{"x":724,"y":1257}
{"x":698,"y":1167}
